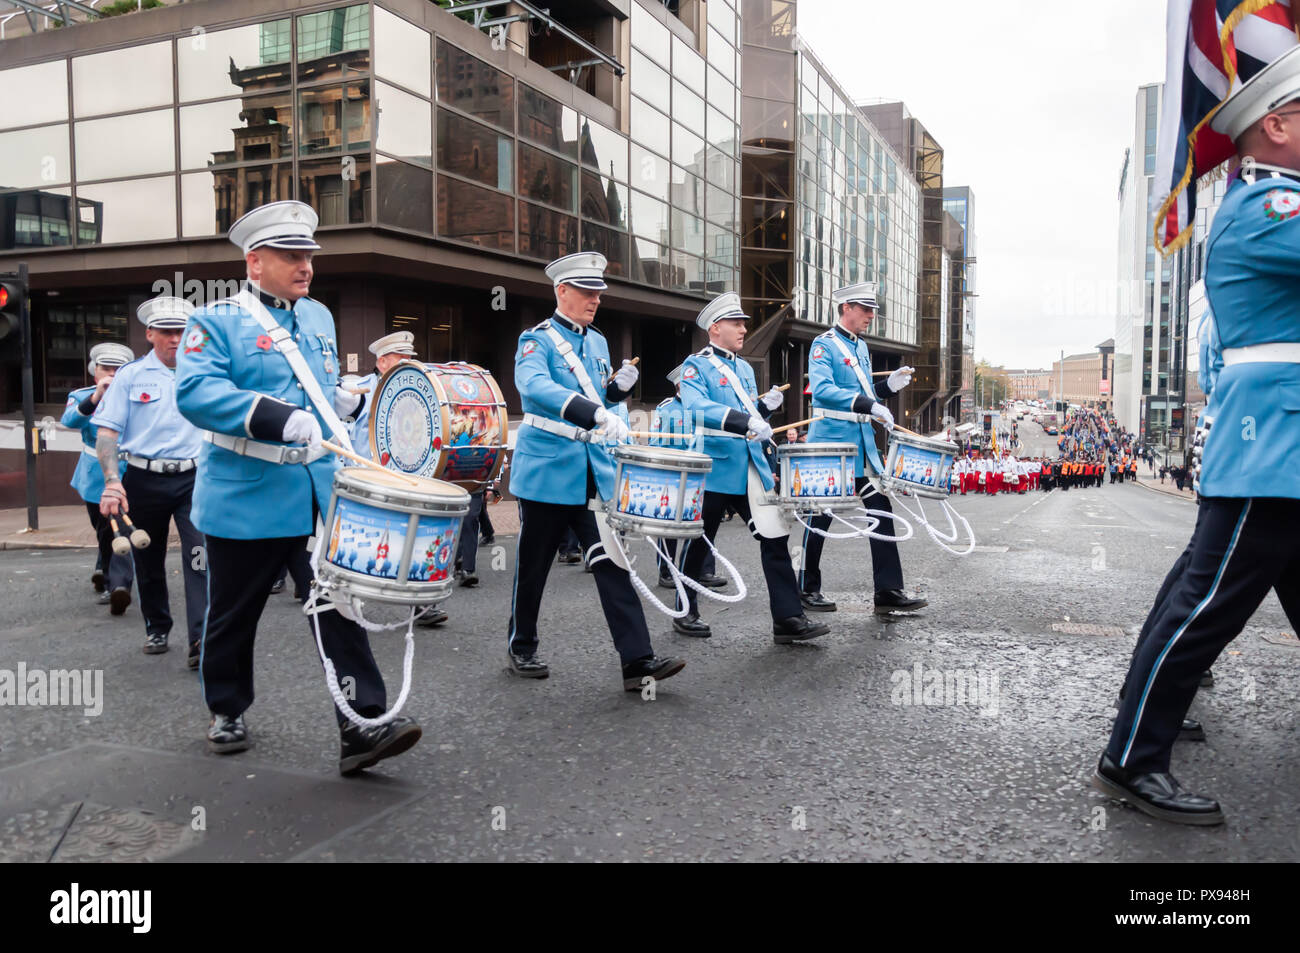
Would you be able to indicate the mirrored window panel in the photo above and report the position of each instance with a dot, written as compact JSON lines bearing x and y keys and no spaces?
{"x":722,"y":93}
{"x":720,"y":244}
{"x":100,"y":152}
{"x":211,"y":201}
{"x":334,"y":118}
{"x":650,"y":127}
{"x":468,"y":213}
{"x":687,"y":232}
{"x":136,"y":210}
{"x":475,"y":151}
{"x":247,"y":59}
{"x":687,"y":272}
{"x":404,"y":196}
{"x":650,"y":263}
{"x":720,"y":206}
{"x":403,"y":52}
{"x":472,"y":86}
{"x":688,"y":66}
{"x":719,"y":277}
{"x":650,"y":35}
{"x":546,"y":122}
{"x":650,"y":173}
{"x":688,"y":148}
{"x":687,"y":191}
{"x":40,"y":218}
{"x":603,"y":200}
{"x":341,"y":189}
{"x":35,"y":157}
{"x":546,"y":178}
{"x":650,"y":82}
{"x":604,"y":149}
{"x":404,"y":124}
{"x":613,"y":245}
{"x":258,"y":128}
{"x":33,"y":94}
{"x":688,"y":108}
{"x":546,"y":234}
{"x":133,"y":78}
{"x":649,"y":218}
{"x":334,"y":44}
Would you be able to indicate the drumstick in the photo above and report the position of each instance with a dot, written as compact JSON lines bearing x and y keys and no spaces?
{"x":139,"y":538}
{"x":784,"y":387}
{"x":335,"y":448}
{"x":118,"y":538}
{"x":797,"y":423}
{"x":651,"y":433}
{"x":355,"y":390}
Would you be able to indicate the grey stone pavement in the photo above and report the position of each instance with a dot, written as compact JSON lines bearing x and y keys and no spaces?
{"x":754,"y":752}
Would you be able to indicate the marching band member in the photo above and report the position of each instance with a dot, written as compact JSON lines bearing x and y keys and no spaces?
{"x":1244,"y":543}
{"x":844,"y":402}
{"x":389,"y":351}
{"x":569,"y":392}
{"x":138,"y":416}
{"x":260,"y":372}
{"x":720,"y":394}
{"x":113,"y":573}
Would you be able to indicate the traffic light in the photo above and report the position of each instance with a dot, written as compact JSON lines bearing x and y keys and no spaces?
{"x":13,"y":293}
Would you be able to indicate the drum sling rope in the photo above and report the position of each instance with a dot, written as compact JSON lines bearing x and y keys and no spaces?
{"x":941,"y":539}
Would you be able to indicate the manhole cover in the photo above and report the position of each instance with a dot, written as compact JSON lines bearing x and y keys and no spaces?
{"x":1086,"y":628}
{"x":84,"y":832}
{"x":1281,"y":638}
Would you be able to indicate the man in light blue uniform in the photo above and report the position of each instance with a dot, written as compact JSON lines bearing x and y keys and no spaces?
{"x":265,"y":479}
{"x":113,"y":573}
{"x":1245,"y":541}
{"x":389,"y":350}
{"x":560,"y":464}
{"x":139,"y":418}
{"x":720,"y":396}
{"x":844,"y":402}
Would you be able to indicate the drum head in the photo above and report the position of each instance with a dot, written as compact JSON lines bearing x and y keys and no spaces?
{"x":407,"y":425}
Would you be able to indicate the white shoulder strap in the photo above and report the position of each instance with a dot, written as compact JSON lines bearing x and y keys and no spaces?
{"x":284,"y":344}
{"x":575,"y":365}
{"x":863,"y":380}
{"x":735,"y":384}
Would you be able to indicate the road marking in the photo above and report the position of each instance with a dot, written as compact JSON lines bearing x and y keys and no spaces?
{"x":1024,"y":511}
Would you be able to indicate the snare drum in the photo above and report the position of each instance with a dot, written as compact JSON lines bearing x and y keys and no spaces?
{"x":440,"y":421}
{"x":388,"y":541}
{"x":918,"y":466}
{"x":658,"y":491}
{"x":817,"y":477}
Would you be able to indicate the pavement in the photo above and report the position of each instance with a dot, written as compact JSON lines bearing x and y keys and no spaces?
{"x":967,"y":731}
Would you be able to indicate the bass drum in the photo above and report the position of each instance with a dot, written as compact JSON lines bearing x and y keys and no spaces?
{"x":440,"y":421}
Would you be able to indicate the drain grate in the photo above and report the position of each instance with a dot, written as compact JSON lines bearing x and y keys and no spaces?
{"x":84,"y":832}
{"x":1086,"y":628}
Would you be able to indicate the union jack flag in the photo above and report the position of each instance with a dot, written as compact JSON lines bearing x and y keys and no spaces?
{"x":1213,"y":47}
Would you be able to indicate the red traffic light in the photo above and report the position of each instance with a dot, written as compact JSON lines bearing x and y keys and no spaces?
{"x":4,"y":297}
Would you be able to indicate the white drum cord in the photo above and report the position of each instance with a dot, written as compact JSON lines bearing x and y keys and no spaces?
{"x":941,"y":539}
{"x":680,"y":578}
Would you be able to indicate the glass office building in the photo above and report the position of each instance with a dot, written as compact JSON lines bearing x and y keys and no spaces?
{"x":448,"y":162}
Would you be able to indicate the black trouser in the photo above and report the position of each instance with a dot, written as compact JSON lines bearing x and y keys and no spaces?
{"x":121,"y":569}
{"x":155,"y":500}
{"x":467,"y":547}
{"x":886,"y":567}
{"x":570,"y":544}
{"x":485,"y":521}
{"x":542,"y":528}
{"x":778,"y":571}
{"x":1240,"y":549}
{"x":298,"y":565}
{"x":240,"y":573}
{"x":710,"y":567}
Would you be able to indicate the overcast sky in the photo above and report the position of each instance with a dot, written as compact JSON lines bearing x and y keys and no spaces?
{"x":1034,"y":107}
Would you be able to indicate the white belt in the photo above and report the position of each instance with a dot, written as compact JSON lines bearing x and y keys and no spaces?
{"x":269,"y":452}
{"x":159,"y":466}
{"x":1282,"y":352}
{"x":714,"y":432}
{"x":561,"y":429}
{"x":841,"y":415}
{"x":89,"y":451}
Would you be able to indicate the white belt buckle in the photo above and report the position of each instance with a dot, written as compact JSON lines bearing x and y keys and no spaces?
{"x":294,"y":454}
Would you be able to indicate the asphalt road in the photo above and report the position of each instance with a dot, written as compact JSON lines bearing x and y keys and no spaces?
{"x":756,"y":751}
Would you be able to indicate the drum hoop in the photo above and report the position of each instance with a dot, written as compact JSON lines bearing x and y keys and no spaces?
{"x":817,"y":449}
{"x":662,"y":458}
{"x":439,"y":392}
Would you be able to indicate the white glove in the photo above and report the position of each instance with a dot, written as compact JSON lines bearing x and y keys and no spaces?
{"x":610,"y":426}
{"x":900,"y":378}
{"x":760,"y":428}
{"x":773,"y":399}
{"x":302,"y":427}
{"x":881,"y":413}
{"x":626,"y":376}
{"x":345,"y":402}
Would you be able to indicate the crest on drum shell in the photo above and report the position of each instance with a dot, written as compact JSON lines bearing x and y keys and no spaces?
{"x":464,"y":386}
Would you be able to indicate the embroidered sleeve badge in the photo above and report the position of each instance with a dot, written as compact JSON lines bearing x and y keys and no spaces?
{"x":1281,"y":204}
{"x":196,"y":340}
{"x":689,"y":374}
{"x":529,"y":347}
{"x":818,"y":352}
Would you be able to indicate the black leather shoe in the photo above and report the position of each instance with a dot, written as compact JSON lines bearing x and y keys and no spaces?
{"x":361,"y":748}
{"x":467,"y":579}
{"x":569,"y":558}
{"x":104,"y":599}
{"x":711,"y":580}
{"x":227,"y":735}
{"x":118,"y":600}
{"x":1207,"y":678}
{"x":277,"y":587}
{"x":666,"y":582}
{"x":192,"y":661}
{"x":797,"y":629}
{"x":1191,"y":730}
{"x":155,"y":643}
{"x":527,"y":666}
{"x":488,"y":541}
{"x":1157,"y":794}
{"x":650,"y":667}
{"x":98,"y":581}
{"x":895,"y":600}
{"x":816,"y":602}
{"x":691,"y":625}
{"x":434,"y":616}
